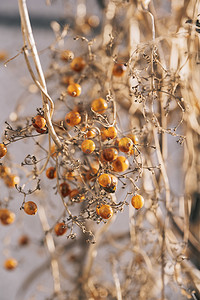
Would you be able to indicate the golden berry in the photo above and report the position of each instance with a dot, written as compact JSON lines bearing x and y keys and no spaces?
{"x":134,"y":138}
{"x":125,"y":144}
{"x":73,"y":118}
{"x":88,"y":146}
{"x":6,"y":216}
{"x":65,"y":189}
{"x":78,"y":64}
{"x":60,"y":228}
{"x":30,"y":208}
{"x":92,"y":133}
{"x":108,"y":133}
{"x":112,"y":187}
{"x":104,"y":180}
{"x":74,"y":89}
{"x":99,"y":105}
{"x":3,"y":150}
{"x":23,"y":240}
{"x":39,"y":122}
{"x":137,"y":201}
{"x":67,"y":55}
{"x":11,"y":180}
{"x":42,"y":130}
{"x":120,"y":164}
{"x":119,"y":70}
{"x":10,"y":264}
{"x":109,"y":154}
{"x":51,"y":173}
{"x":105,"y":211}
{"x":4,"y":171}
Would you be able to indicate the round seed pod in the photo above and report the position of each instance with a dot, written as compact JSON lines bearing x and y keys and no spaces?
{"x":10,"y":264}
{"x":7,"y":217}
{"x":60,"y":229}
{"x":99,"y":105}
{"x":88,"y":146}
{"x":120,"y":164}
{"x":137,"y":201}
{"x":30,"y":208}
{"x":109,"y":154}
{"x":3,"y":150}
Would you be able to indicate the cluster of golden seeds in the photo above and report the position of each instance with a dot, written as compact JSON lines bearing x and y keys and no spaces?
{"x":105,"y":154}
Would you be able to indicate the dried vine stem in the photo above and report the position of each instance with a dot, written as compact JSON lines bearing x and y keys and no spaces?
{"x":28,"y":38}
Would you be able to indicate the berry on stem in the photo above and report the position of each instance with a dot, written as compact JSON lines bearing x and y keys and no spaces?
{"x":108,"y":133}
{"x":10,"y":264}
{"x":65,"y":189}
{"x":51,"y":173}
{"x":67,"y":55}
{"x":3,"y":150}
{"x":99,"y":105}
{"x":6,"y":216}
{"x":125,"y":144}
{"x":88,"y":146}
{"x":78,"y":64}
{"x":11,"y":180}
{"x":120,"y":164}
{"x":73,"y":118}
{"x":119,"y":70}
{"x":109,"y":154}
{"x":38,"y":122}
{"x":30,"y":208}
{"x":74,"y":89}
{"x":137,"y":201}
{"x":60,"y":228}
{"x":105,"y":211}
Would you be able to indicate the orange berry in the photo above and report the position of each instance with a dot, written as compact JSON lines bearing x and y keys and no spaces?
{"x":38,"y":122}
{"x":3,"y":150}
{"x":51,"y":173}
{"x":74,"y":89}
{"x":4,"y":171}
{"x":10,"y":264}
{"x":112,"y":187}
{"x":88,"y":146}
{"x":109,"y":154}
{"x":78,"y":64}
{"x":125,"y":144}
{"x":92,"y":133}
{"x":99,"y":105}
{"x":134,"y":138}
{"x":11,"y":180}
{"x":67,"y":55}
{"x":73,"y":118}
{"x":30,"y":208}
{"x":23,"y":240}
{"x":119,"y":70}
{"x":6,"y":216}
{"x":65,"y":189}
{"x":137,"y":201}
{"x":104,"y":180}
{"x":60,"y":228}
{"x":105,"y":211}
{"x":120,"y":164}
{"x":108,"y":133}
{"x":42,"y":130}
